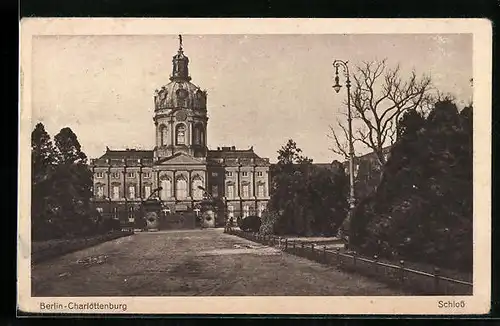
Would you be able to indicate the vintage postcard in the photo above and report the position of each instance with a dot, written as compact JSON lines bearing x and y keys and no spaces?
{"x":255,"y":166}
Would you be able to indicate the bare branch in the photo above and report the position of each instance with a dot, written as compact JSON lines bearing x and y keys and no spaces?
{"x":339,"y":148}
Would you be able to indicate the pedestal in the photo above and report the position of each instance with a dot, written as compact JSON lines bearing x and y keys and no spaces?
{"x":152,"y":214}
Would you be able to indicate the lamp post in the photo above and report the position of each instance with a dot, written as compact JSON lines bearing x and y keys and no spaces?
{"x":337,"y":87}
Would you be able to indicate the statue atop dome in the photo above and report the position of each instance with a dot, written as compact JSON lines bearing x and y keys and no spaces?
{"x":180,"y":69}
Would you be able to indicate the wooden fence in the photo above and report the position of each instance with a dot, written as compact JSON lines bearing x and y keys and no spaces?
{"x":414,"y":281}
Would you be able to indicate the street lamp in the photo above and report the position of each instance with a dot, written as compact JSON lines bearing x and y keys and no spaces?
{"x":337,"y":87}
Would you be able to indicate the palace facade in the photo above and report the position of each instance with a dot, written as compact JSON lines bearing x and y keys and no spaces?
{"x":181,"y":163}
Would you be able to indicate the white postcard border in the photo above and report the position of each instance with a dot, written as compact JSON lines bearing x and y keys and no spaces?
{"x":478,"y":303}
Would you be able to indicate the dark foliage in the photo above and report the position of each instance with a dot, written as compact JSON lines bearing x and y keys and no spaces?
{"x":422,"y":208}
{"x":305,"y":199}
{"x":61,"y":187}
{"x":250,"y":223}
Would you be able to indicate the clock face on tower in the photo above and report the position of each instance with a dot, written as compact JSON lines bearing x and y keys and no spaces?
{"x":181,"y":116}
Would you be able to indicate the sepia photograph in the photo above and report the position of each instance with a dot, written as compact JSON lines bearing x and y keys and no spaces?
{"x":174,"y":166}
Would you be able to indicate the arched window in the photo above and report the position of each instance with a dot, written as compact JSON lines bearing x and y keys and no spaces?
{"x":197,"y":192}
{"x":198,"y":135}
{"x":181,"y":188}
{"x":163,"y":135}
{"x":166,"y":190}
{"x":180,"y":134}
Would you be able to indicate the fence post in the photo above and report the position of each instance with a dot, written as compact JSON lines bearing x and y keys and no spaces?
{"x":402,"y":265}
{"x":312,"y":250}
{"x":436,"y":280}
{"x":339,"y":260}
{"x":286,"y":244}
{"x":375,"y":259}
{"x":354,"y":258}
{"x":324,"y":254}
{"x":302,"y":248}
{"x":293,"y":247}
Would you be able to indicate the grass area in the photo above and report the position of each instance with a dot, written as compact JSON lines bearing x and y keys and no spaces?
{"x":193,"y":263}
{"x":43,"y":250}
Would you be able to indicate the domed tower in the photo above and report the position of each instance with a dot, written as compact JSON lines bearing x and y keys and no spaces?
{"x":180,"y":113}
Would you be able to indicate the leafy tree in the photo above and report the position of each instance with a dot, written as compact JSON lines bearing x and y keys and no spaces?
{"x":73,"y":185}
{"x":422,"y":209}
{"x":70,"y":150}
{"x":305,"y":199}
{"x":44,"y":205}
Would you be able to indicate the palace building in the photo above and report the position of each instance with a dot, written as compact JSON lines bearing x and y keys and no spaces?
{"x":181,"y":163}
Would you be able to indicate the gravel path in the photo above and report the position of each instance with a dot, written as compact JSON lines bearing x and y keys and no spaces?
{"x":189,"y":263}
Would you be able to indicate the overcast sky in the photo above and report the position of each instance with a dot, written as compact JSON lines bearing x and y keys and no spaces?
{"x":262,"y":89}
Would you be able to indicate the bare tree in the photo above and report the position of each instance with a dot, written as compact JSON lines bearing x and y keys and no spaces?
{"x":379,"y":97}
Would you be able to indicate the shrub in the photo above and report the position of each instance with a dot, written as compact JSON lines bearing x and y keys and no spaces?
{"x":268,"y":222}
{"x":108,"y":225}
{"x":140,"y":223}
{"x":250,"y":223}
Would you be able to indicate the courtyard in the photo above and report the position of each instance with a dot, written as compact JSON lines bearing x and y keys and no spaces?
{"x":193,"y":263}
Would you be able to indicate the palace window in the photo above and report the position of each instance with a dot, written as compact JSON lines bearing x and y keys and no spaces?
{"x":99,"y":175}
{"x":166,"y":190}
{"x":215,"y":191}
{"x":230,"y":191}
{"x":229,"y":173}
{"x":197,"y":192}
{"x":230,"y":210}
{"x":214,"y":174}
{"x":100,"y":191}
{"x":130,"y":175}
{"x":115,"y":212}
{"x":260,"y":208}
{"x":147,"y":191}
{"x":246,"y":190}
{"x":147,"y":175}
{"x":131,"y":192}
{"x":131,"y":214}
{"x":163,"y":135}
{"x":246,"y":210}
{"x":115,"y":175}
{"x":181,"y":188}
{"x":244,"y":174}
{"x":116,"y":192}
{"x":260,"y":190}
{"x":180,"y":134}
{"x":259,"y":173}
